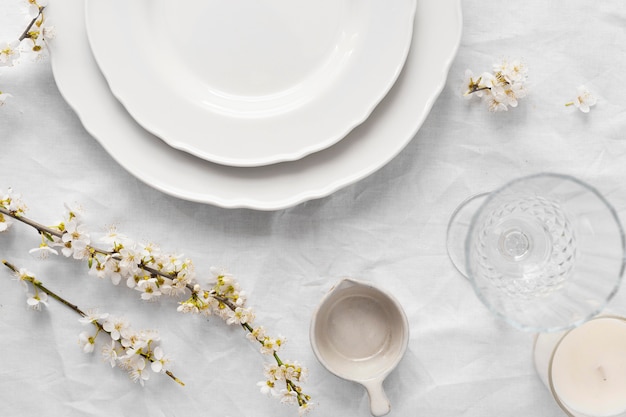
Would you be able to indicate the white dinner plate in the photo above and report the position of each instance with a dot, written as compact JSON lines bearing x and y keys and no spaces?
{"x":370,"y":146}
{"x":250,"y":82}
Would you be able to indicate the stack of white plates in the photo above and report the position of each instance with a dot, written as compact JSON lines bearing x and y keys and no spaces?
{"x":253,"y":103}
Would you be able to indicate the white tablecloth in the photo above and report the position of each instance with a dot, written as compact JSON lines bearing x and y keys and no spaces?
{"x":388,"y":229}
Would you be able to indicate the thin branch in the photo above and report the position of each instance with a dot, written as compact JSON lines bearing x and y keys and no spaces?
{"x":36,"y":283}
{"x":40,"y":227}
{"x":25,"y":34}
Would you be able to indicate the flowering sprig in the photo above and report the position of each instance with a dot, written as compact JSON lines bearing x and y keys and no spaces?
{"x":144,"y":267}
{"x":125,"y":348}
{"x":584,"y":99}
{"x":37,"y":33}
{"x":13,"y":204}
{"x":501,"y":88}
{"x":33,"y":38}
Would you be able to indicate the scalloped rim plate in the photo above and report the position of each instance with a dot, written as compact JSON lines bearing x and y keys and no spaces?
{"x":249,"y":82}
{"x":365,"y":150}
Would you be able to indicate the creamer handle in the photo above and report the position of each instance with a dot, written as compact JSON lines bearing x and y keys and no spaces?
{"x":379,"y":403}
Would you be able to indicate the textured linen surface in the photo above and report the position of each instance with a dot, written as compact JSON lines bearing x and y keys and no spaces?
{"x":388,"y":229}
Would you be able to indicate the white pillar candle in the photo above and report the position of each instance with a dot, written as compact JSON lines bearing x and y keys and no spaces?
{"x":585,"y":368}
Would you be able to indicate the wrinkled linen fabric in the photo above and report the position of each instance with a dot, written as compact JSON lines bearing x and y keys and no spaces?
{"x":388,"y":229}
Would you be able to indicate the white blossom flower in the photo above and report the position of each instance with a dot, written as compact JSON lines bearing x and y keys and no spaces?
{"x":291,"y":371}
{"x":185,"y":276}
{"x":288,"y":397}
{"x":514,"y":71}
{"x":75,"y":240}
{"x":138,"y":372}
{"x":133,"y":342}
{"x":87,"y":342}
{"x":159,"y":360}
{"x":268,"y":388}
{"x":273,"y":372}
{"x":92,"y":316}
{"x":240,"y":316}
{"x":187,"y":271}
{"x":178,"y":285}
{"x":240,"y":298}
{"x":171,"y":263}
{"x":172,"y":287}
{"x":496,"y":102}
{"x":584,"y":99}
{"x":116,"y":327}
{"x":150,"y":336}
{"x":35,"y":301}
{"x":211,"y":304}
{"x":271,"y":345}
{"x":43,"y":251}
{"x":493,"y":83}
{"x":188,"y":307}
{"x":13,"y":202}
{"x":113,"y":237}
{"x":149,"y":252}
{"x":473,"y":85}
{"x":225,"y":282}
{"x":149,"y":289}
{"x":109,"y":353}
{"x":24,"y":275}
{"x":9,"y":52}
{"x":222,"y":311}
{"x":513,"y":92}
{"x":107,"y":268}
{"x":257,"y":334}
{"x":73,"y":211}
{"x":128,"y":263}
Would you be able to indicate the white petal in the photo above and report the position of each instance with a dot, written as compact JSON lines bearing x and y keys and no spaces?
{"x":157,"y":366}
{"x":33,"y":11}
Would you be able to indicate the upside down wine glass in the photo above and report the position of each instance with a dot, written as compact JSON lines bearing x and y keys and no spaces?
{"x":544,"y":252}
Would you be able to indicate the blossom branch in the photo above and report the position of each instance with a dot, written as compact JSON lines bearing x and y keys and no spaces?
{"x":36,"y":34}
{"x":154,"y":274}
{"x":26,"y":33}
{"x":40,"y":286}
{"x":500,"y":89}
{"x":138,"y":347}
{"x":17,"y":215}
{"x":49,"y":232}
